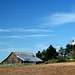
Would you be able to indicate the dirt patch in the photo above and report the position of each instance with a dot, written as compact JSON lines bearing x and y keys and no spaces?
{"x":46,"y":69}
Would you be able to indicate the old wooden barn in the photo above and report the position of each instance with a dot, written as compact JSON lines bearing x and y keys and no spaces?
{"x":18,"y":58}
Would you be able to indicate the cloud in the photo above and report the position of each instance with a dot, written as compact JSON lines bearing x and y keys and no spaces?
{"x":58,"y":19}
{"x":5,"y":44}
{"x":24,"y":36}
{"x":41,"y":46}
{"x":36,"y":30}
{"x":10,"y":36}
{"x":24,"y":30}
{"x":13,"y":49}
{"x":27,"y":50}
{"x":19,"y":10}
{"x":37,"y":35}
{"x":4,"y":30}
{"x":1,"y":43}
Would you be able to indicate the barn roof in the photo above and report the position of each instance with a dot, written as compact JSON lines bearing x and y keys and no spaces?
{"x":27,"y":57}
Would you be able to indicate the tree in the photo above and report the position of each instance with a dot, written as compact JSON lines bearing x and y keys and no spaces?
{"x":71,"y":56}
{"x":65,"y":53}
{"x":44,"y":55}
{"x":51,"y":53}
{"x":61,"y":52}
{"x":68,"y":50}
{"x":39,"y":55}
{"x":73,"y":49}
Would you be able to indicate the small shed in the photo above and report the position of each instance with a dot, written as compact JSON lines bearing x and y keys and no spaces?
{"x":18,"y":58}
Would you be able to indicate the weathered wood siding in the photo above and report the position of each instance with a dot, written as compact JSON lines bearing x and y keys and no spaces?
{"x":12,"y":59}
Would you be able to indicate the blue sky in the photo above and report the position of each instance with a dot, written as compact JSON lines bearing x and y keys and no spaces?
{"x":33,"y":25}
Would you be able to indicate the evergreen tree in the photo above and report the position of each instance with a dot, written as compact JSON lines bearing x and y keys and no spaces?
{"x":44,"y":55}
{"x":51,"y":53}
{"x":68,"y":50}
{"x":61,"y":52}
{"x":39,"y":55}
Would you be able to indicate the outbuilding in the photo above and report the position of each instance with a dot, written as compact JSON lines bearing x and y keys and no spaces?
{"x":18,"y":58}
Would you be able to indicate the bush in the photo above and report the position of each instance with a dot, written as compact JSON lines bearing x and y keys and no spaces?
{"x":1,"y":63}
{"x":61,"y":60}
{"x":51,"y":61}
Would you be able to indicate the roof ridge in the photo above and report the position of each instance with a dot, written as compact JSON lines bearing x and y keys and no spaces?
{"x":22,"y":53}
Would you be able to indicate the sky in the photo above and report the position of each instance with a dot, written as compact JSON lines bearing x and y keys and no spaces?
{"x":33,"y":25}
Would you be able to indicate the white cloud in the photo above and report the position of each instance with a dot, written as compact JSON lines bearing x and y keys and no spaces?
{"x":4,"y":30}
{"x":19,"y":10}
{"x":25,"y":30}
{"x":14,"y":49}
{"x":41,"y":46}
{"x":36,"y":35}
{"x":33,"y":30}
{"x":58,"y":19}
{"x":1,"y":43}
{"x":27,"y":50}
{"x":5,"y":44}
{"x":10,"y":36}
{"x":31,"y":50}
{"x":24,"y":36}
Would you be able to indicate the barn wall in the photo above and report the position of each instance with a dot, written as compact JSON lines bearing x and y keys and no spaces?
{"x":12,"y":59}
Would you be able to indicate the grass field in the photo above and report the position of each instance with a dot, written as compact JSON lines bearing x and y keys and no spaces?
{"x":67,"y":68}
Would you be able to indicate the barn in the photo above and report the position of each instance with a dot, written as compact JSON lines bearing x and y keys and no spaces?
{"x":18,"y":58}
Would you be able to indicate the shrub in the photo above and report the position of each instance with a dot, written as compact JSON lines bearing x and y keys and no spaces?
{"x":61,"y":60}
{"x":51,"y":61}
{"x":1,"y":63}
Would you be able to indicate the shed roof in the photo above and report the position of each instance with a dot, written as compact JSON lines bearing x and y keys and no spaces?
{"x":27,"y":57}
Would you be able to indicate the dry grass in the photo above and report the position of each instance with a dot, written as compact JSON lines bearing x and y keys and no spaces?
{"x":67,"y":68}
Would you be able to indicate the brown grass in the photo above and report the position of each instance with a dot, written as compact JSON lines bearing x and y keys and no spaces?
{"x":67,"y":68}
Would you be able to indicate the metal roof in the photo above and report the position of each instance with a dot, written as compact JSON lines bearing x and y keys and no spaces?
{"x":28,"y":57}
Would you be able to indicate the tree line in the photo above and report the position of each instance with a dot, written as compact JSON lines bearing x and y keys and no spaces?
{"x":51,"y":53}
